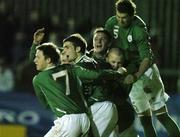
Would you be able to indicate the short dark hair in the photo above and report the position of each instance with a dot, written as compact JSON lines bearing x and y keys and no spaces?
{"x":103,"y":30}
{"x":126,"y":6}
{"x":78,"y":41}
{"x":51,"y":51}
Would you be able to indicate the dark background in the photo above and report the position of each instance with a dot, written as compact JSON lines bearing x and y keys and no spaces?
{"x":19,"y":19}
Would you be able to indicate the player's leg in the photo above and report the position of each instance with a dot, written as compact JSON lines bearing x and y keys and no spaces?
{"x":159,"y":107}
{"x":161,"y":112}
{"x":169,"y":124}
{"x":104,"y":115}
{"x":85,"y":125}
{"x":140,"y":101}
{"x":126,"y":124}
{"x":73,"y":125}
{"x":146,"y":121}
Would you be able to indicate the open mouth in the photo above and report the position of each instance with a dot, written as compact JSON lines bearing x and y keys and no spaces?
{"x":98,"y":46}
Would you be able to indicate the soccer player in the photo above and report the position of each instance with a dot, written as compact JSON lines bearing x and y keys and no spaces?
{"x":116,"y":92}
{"x":119,"y":94}
{"x":148,"y":93}
{"x":104,"y":113}
{"x":59,"y":89}
{"x":101,"y":43}
{"x":70,"y":55}
{"x":115,"y":57}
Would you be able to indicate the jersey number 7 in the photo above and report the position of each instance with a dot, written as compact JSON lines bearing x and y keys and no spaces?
{"x":62,"y":74}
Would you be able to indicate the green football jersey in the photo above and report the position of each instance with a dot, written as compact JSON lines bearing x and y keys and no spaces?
{"x":133,"y":40}
{"x":60,"y":89}
{"x":93,"y":90}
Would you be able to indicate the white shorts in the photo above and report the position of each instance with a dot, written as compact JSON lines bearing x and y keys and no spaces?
{"x":105,"y":117}
{"x":73,"y":125}
{"x":148,"y":91}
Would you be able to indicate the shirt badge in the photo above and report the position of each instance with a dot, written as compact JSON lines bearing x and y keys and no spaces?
{"x":129,"y":38}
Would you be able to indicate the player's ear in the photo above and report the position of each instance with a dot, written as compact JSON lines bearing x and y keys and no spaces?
{"x":78,"y":49}
{"x":48,"y":60}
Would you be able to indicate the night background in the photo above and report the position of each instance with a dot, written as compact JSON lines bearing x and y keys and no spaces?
{"x":19,"y":19}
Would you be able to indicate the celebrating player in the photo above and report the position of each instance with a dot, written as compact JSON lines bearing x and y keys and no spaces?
{"x":147,"y":94}
{"x":59,"y":89}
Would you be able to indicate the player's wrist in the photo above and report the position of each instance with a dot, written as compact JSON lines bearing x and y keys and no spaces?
{"x":135,"y":77}
{"x":36,"y":42}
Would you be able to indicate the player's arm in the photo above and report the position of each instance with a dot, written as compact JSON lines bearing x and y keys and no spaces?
{"x":145,"y":51}
{"x":83,"y":73}
{"x":145,"y":64}
{"x":131,"y":78}
{"x":146,"y":55}
{"x":39,"y":93}
{"x":87,"y":74}
{"x":37,"y":39}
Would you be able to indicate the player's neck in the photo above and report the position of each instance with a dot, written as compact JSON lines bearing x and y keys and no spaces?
{"x":49,"y":66}
{"x":79,"y":57}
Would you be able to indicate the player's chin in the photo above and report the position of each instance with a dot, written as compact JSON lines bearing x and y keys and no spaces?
{"x":98,"y":49}
{"x":37,"y":68}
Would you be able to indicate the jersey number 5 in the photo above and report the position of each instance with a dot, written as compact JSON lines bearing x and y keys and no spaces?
{"x":62,"y":74}
{"x":115,"y":31}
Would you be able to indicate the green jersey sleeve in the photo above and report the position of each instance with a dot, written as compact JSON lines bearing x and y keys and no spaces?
{"x":39,"y":93}
{"x":83,"y":73}
{"x":108,"y":74}
{"x":141,"y":37}
{"x":32,"y":52}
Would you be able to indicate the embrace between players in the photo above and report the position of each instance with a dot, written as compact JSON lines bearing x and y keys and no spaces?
{"x":89,"y":92}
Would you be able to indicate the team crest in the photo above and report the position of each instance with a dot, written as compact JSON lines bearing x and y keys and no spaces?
{"x":129,"y":38}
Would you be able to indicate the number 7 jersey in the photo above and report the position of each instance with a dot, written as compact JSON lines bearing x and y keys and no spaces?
{"x":60,"y":89}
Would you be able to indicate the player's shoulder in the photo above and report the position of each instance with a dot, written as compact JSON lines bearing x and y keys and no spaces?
{"x":138,"y":22}
{"x":36,"y":79}
{"x":139,"y":26}
{"x":111,"y":21}
{"x":87,"y":62}
{"x":44,"y":74}
{"x":88,"y":59}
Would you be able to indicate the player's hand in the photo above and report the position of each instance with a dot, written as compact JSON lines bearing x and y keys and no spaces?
{"x":122,"y":70}
{"x":129,"y":79}
{"x":38,"y":36}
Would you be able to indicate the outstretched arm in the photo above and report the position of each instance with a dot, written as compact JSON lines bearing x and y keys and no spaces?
{"x":37,"y":39}
{"x":83,"y":73}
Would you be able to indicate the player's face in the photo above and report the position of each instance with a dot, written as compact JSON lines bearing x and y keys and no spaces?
{"x":124,"y":20}
{"x":40,"y":61}
{"x":115,"y":61}
{"x":100,"y":42}
{"x":65,"y":59}
{"x":69,"y":51}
